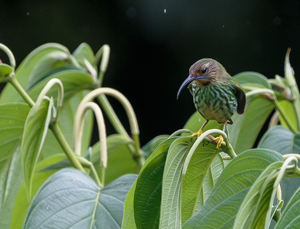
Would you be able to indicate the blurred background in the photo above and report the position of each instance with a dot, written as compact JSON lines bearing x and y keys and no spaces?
{"x":153,"y":43}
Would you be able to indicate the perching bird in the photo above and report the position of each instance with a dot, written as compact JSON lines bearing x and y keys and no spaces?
{"x":215,"y":93}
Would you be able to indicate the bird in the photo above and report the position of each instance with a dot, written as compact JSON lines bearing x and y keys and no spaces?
{"x":216,"y":95}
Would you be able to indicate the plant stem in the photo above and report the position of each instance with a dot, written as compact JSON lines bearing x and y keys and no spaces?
{"x":229,"y":150}
{"x":286,"y":119}
{"x":197,"y":142}
{"x":181,"y":131}
{"x":113,"y":118}
{"x":15,"y":83}
{"x":63,"y":143}
{"x":137,"y":155}
{"x":88,"y":164}
{"x":10,"y":55}
{"x":100,"y":78}
{"x":102,"y":175}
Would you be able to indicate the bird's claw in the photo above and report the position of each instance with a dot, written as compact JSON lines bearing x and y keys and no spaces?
{"x":197,"y":134}
{"x":219,"y":141}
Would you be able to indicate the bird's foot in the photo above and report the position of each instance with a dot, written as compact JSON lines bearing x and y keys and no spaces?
{"x":197,"y":134}
{"x":219,"y":141}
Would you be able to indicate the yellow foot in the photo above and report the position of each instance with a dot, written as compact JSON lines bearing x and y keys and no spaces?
{"x":219,"y":141}
{"x":197,"y":134}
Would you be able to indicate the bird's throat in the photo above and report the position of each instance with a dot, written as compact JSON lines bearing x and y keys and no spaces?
{"x":204,"y":82}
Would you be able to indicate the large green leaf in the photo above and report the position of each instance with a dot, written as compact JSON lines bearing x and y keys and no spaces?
{"x":128,"y":221}
{"x":280,"y":139}
{"x":210,"y":179}
{"x":231,"y":188}
{"x":285,"y":142}
{"x":120,"y":159}
{"x":84,"y":52}
{"x":290,"y":217}
{"x":205,"y":167}
{"x":246,"y":127}
{"x":258,"y":109}
{"x":45,"y":65}
{"x":147,"y":197}
{"x":35,"y":131}
{"x":252,"y":79}
{"x":22,"y":204}
{"x":66,"y":123}
{"x":73,"y":81}
{"x":71,"y":199}
{"x":149,"y":148}
{"x":253,"y":210}
{"x":12,"y":120}
{"x":9,"y":94}
{"x":10,"y":181}
{"x":170,"y":214}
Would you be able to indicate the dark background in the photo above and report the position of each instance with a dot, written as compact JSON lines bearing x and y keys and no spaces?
{"x":153,"y":43}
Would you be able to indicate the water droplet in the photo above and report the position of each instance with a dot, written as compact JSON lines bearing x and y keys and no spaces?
{"x":131,"y":12}
{"x":27,"y":13}
{"x":165,"y":10}
{"x":276,"y":21}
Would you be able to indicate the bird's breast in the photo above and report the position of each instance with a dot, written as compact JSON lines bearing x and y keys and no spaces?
{"x":215,"y":102}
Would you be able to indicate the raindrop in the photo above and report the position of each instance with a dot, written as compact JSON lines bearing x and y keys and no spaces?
{"x":131,"y":12}
{"x":165,"y":10}
{"x":276,"y":21}
{"x":27,"y":13}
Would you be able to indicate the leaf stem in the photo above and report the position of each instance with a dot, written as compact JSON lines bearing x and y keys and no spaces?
{"x":228,"y":149}
{"x":113,"y":118}
{"x":78,"y":129}
{"x":197,"y":142}
{"x":60,"y":95}
{"x":9,"y":54}
{"x":130,"y":114}
{"x":88,"y":164}
{"x":15,"y":83}
{"x":181,"y":131}
{"x":140,"y":159}
{"x":65,"y":146}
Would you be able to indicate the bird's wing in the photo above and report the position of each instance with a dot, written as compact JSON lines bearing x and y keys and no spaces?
{"x":241,"y":98}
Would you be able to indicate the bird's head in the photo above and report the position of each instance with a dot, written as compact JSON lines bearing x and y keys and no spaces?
{"x":204,"y":72}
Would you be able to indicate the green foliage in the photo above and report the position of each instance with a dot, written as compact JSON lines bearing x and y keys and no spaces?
{"x":176,"y":181}
{"x":34,"y":134}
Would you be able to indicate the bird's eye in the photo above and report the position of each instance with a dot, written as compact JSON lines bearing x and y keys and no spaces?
{"x":203,"y":70}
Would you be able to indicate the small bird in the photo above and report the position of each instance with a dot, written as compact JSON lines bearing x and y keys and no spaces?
{"x":215,"y":93}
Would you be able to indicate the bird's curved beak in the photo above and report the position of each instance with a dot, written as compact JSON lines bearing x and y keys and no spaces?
{"x":189,"y":79}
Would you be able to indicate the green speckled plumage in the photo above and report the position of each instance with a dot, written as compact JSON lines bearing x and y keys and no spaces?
{"x":216,"y":102}
{"x":217,"y":96}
